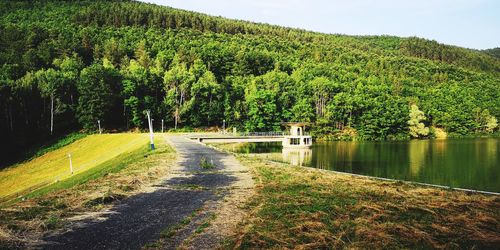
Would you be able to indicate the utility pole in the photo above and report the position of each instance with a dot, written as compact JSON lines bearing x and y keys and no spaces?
{"x":99,"y":124}
{"x":162,"y":125}
{"x":70,"y":164}
{"x":150,"y":130}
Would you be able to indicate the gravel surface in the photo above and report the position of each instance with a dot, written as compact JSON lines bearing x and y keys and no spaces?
{"x":138,"y":220}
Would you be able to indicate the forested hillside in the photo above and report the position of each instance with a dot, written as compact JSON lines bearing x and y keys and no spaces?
{"x":493,"y":52}
{"x":72,"y":63}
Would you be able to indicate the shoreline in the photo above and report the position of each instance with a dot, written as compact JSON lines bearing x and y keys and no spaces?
{"x":466,"y":190}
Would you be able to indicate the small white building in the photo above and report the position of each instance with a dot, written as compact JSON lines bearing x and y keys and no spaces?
{"x":297,"y":137}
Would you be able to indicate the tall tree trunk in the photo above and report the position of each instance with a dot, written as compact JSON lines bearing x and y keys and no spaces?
{"x":10,"y":118}
{"x":7,"y":118}
{"x":51,"y":114}
{"x":350,"y":118}
{"x":176,"y":116}
{"x":127,"y":124}
{"x":26,"y":115}
{"x":209,"y":109}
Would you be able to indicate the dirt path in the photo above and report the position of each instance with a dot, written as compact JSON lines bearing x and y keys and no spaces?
{"x":203,"y":201}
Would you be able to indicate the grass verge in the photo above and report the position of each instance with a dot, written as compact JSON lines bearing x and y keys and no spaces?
{"x":304,"y":208}
{"x":50,"y":208}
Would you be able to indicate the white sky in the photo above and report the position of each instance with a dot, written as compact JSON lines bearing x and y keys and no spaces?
{"x":466,"y":23}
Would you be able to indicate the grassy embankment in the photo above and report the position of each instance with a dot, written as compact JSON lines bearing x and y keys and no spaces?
{"x":305,"y":208}
{"x":38,"y":150}
{"x":53,"y":166}
{"x":113,"y":175}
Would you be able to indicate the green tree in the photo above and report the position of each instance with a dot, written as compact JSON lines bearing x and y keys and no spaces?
{"x":69,"y":68}
{"x":97,"y":95}
{"x":134,"y":91}
{"x":491,"y":124}
{"x":49,"y":82}
{"x":485,"y":121}
{"x":262,"y":110}
{"x":303,"y":111}
{"x":206,"y":99}
{"x":178,"y":81}
{"x":323,"y":90}
{"x":141,"y":54}
{"x":113,"y":51}
{"x":415,"y":125}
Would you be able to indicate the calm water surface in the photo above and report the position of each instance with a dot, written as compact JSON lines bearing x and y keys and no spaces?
{"x":464,"y":163}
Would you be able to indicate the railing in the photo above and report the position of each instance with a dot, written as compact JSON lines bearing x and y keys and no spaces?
{"x":260,"y":134}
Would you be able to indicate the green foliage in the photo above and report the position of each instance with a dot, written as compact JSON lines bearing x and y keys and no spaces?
{"x":48,"y":81}
{"x":485,"y":121}
{"x":415,"y":124}
{"x":178,"y":81}
{"x":303,"y":111}
{"x":434,"y":51}
{"x":491,"y":124}
{"x":206,"y":97}
{"x":493,"y":52}
{"x":111,"y":60}
{"x":97,"y":90}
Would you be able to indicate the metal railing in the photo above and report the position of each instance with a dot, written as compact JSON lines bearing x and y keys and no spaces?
{"x":260,"y":134}
{"x":263,"y":134}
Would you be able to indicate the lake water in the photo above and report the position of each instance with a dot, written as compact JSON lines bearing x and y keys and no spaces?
{"x":463,"y":163}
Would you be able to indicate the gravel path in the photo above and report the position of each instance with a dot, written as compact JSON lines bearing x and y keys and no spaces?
{"x":138,"y":220}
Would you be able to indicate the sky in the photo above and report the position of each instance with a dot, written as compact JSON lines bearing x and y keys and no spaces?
{"x":466,"y":23}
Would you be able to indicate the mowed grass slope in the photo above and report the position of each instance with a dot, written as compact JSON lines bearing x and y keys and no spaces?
{"x":86,"y":153}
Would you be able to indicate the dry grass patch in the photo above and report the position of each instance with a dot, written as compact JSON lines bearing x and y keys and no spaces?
{"x":309,"y":209}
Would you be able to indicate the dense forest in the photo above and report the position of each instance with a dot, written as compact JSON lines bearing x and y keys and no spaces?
{"x":64,"y":65}
{"x":493,"y":52}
